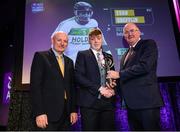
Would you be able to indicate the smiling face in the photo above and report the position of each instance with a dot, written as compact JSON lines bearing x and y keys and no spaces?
{"x":131,"y":33}
{"x":96,"y":42}
{"x":95,"y":39}
{"x":60,"y":42}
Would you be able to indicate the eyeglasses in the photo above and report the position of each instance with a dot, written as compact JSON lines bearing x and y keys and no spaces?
{"x":132,"y":31}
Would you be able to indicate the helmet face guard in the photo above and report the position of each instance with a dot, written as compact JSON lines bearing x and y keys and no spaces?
{"x":83,"y":12}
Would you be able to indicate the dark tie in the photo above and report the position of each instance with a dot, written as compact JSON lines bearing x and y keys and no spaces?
{"x":129,"y":54}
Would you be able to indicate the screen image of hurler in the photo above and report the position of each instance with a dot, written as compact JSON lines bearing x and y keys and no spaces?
{"x":78,"y":18}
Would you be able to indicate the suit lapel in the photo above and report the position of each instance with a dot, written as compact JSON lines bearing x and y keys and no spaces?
{"x":122,"y":60}
{"x":93,"y":58}
{"x":54,"y":62}
{"x":65,"y":65}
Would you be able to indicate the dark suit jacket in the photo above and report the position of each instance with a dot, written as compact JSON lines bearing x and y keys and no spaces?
{"x":47,"y":85}
{"x":138,"y":80}
{"x":88,"y":78}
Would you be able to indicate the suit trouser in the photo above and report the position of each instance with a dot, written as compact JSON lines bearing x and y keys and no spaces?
{"x":144,"y":119}
{"x":102,"y":117}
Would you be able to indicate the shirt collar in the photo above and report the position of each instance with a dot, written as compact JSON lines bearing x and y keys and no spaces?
{"x":95,"y":51}
{"x":57,"y":54}
{"x":135,"y":43}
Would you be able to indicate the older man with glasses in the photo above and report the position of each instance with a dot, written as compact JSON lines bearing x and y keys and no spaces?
{"x":138,"y":81}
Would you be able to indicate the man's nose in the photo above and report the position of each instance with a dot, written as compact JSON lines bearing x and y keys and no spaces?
{"x":96,"y":40}
{"x":61,"y":43}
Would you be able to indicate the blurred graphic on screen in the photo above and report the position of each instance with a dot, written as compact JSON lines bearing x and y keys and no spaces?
{"x":77,"y":18}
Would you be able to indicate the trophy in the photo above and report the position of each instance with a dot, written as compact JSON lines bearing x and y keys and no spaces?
{"x":107,"y":65}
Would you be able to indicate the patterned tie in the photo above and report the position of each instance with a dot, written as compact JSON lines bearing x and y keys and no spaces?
{"x":98,"y":57}
{"x":61,"y":65}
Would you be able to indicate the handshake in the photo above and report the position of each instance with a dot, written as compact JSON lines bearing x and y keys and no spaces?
{"x":108,"y":90}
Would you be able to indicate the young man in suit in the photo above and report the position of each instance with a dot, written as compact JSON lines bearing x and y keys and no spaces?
{"x":138,"y":81}
{"x":95,"y":99}
{"x":52,"y":87}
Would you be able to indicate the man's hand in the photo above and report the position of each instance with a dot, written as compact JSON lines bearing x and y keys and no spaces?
{"x":111,"y":83}
{"x":113,"y":74}
{"x":42,"y":121}
{"x":73,"y":117}
{"x":107,"y":92}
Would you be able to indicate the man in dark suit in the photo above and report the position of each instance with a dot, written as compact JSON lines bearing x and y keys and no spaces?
{"x":138,"y":81}
{"x":95,"y":99}
{"x":52,"y":87}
